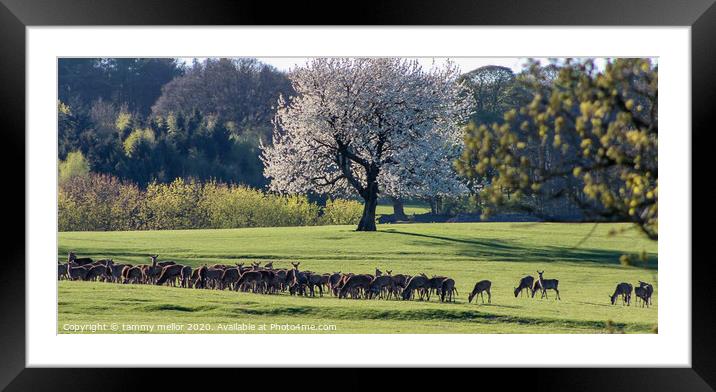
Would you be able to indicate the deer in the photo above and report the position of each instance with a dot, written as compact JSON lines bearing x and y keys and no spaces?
{"x":623,"y":290}
{"x":161,"y":263}
{"x":525,"y":283}
{"x":117,"y":272}
{"x":62,"y":271}
{"x":333,"y":280}
{"x":186,"y":272}
{"x":132,"y":274}
{"x":229,"y":278}
{"x":213,"y":277}
{"x":379,"y":285}
{"x":447,"y":290}
{"x":355,"y":284}
{"x":315,"y":281}
{"x":98,"y":271}
{"x":481,"y":287}
{"x":436,"y":284}
{"x":418,"y":282}
{"x":152,"y":272}
{"x":642,"y":294}
{"x":169,"y":274}
{"x":378,"y":272}
{"x":252,"y":277}
{"x":649,"y":289}
{"x":198,"y":277}
{"x":72,"y":258}
{"x":76,"y":273}
{"x":547,"y":284}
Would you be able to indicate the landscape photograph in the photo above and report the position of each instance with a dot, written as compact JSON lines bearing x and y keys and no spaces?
{"x":357,"y":195}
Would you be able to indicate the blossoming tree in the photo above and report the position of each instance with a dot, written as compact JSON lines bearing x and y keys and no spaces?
{"x":368,"y":126}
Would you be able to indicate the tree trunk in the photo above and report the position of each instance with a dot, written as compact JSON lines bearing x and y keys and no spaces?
{"x":398,"y":210}
{"x":367,"y":221}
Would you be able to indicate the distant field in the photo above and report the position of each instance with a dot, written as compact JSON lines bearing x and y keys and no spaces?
{"x":410,"y":209}
{"x":468,"y":252}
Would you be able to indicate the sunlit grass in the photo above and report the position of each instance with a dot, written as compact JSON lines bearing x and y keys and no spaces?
{"x":468,"y":252}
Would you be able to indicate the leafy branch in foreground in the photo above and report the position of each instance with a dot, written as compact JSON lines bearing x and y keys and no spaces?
{"x":588,"y":135}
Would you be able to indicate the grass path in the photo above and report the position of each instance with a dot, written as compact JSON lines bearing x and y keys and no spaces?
{"x":501,"y":252}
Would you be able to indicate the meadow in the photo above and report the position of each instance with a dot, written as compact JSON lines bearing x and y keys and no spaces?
{"x":584,"y":257}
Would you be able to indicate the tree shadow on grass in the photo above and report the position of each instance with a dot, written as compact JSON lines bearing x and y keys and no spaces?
{"x":501,"y":250}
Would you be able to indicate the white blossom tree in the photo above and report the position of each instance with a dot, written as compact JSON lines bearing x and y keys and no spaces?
{"x":365,"y":126}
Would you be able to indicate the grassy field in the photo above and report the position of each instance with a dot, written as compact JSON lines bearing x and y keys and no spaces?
{"x":468,"y":252}
{"x":409,"y":208}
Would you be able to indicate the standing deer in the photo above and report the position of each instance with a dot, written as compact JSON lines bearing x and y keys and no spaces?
{"x":447,"y":290}
{"x":547,"y":284}
{"x":481,"y":287}
{"x":649,"y":290}
{"x":72,"y":258}
{"x":525,"y":283}
{"x":62,"y":271}
{"x":642,"y":294}
{"x":169,"y":274}
{"x":623,"y":290}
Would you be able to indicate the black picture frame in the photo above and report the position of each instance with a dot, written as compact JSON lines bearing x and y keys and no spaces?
{"x":15,"y":15}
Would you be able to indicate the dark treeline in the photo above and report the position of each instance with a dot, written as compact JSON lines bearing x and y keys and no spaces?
{"x":159,"y":119}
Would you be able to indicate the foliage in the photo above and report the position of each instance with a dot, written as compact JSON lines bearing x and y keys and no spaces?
{"x":362,"y":126}
{"x":341,"y":212}
{"x":99,"y":202}
{"x":75,"y":165}
{"x":588,"y":134}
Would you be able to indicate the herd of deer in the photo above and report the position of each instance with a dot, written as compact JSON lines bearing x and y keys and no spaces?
{"x":270,"y":280}
{"x":624,"y":290}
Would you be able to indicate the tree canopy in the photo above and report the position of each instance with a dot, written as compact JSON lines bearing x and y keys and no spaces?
{"x":585,"y":129}
{"x":365,"y":126}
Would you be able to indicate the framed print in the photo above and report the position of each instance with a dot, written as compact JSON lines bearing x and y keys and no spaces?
{"x":471,"y":186}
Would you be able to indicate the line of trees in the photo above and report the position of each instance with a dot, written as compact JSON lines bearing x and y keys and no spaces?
{"x":562,"y":141}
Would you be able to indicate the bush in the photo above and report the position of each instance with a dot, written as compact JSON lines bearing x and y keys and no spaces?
{"x":342,"y":212}
{"x":102,"y":202}
{"x":98,"y":202}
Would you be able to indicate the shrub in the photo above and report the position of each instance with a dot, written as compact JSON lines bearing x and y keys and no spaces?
{"x":342,"y":212}
{"x":101,"y":202}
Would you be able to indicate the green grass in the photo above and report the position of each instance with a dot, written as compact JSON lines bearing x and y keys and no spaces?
{"x":468,"y":252}
{"x":410,"y":209}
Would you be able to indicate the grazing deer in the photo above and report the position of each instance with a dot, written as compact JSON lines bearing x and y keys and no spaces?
{"x":185,"y":277}
{"x":117,"y":272}
{"x":436,"y":284}
{"x":525,"y":283}
{"x":547,"y":284}
{"x":170,"y":274}
{"x":76,"y":273}
{"x":649,"y":289}
{"x":251,"y":278}
{"x":229,"y":278}
{"x":62,"y":271}
{"x":481,"y":287}
{"x":623,"y":290}
{"x":213,"y":277}
{"x":380,"y":285}
{"x":333,"y":282}
{"x":418,"y":282}
{"x":314,"y":281}
{"x":132,"y":274}
{"x":447,"y":290}
{"x":198,"y":277}
{"x":72,"y":258}
{"x":98,"y":271}
{"x":355,"y":284}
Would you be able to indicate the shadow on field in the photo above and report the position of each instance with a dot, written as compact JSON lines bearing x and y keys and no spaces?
{"x":448,"y":315}
{"x":500,"y":250}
